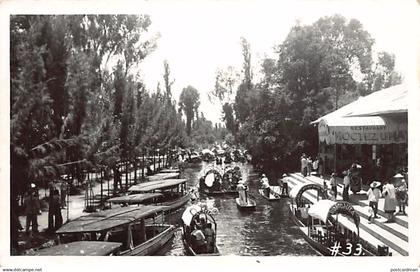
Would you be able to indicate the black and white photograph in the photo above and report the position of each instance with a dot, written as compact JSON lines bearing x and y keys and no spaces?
{"x":216,"y":130}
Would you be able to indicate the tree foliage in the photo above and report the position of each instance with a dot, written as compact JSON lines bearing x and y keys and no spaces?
{"x":189,"y":101}
{"x":75,"y":102}
{"x":319,"y":67}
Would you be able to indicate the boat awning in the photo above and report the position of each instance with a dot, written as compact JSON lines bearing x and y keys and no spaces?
{"x":134,"y":199}
{"x":174,"y":170}
{"x":108,"y":219}
{"x":80,"y":248}
{"x":390,"y":100}
{"x":378,"y":118}
{"x":161,"y":176}
{"x":155,"y":185}
{"x":189,"y":213}
{"x":295,"y":190}
{"x":321,"y":209}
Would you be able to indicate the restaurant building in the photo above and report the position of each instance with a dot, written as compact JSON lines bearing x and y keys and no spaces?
{"x":371,"y":131}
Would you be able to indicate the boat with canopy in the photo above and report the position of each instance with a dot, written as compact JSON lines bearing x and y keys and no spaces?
{"x":325,"y":223}
{"x":134,"y":227}
{"x":216,"y":181}
{"x":173,"y":193}
{"x":196,"y":219}
{"x":80,"y":248}
{"x":163,"y":176}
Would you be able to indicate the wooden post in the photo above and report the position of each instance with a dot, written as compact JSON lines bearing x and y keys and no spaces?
{"x":142,"y":166}
{"x":154,"y":161}
{"x":135,"y":170}
{"x":102,"y":188}
{"x":126,"y":175}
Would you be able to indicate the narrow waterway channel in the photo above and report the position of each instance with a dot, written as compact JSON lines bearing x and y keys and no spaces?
{"x":267,"y":231}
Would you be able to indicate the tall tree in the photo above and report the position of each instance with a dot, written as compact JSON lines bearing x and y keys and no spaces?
{"x":223,"y":92}
{"x":244,"y":94}
{"x":189,"y":101}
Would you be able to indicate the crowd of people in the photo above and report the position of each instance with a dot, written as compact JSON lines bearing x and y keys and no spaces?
{"x":394,"y":191}
{"x":308,"y":165}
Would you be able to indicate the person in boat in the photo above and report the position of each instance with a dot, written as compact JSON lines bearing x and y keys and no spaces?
{"x":284,"y":186}
{"x":242,"y":191}
{"x":265,"y":185}
{"x":333,"y":185}
{"x":373,"y":196}
{"x":210,"y":237}
{"x":198,"y":240}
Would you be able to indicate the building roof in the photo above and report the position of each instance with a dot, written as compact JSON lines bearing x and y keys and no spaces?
{"x":367,"y":110}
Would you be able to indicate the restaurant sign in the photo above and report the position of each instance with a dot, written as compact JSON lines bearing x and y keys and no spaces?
{"x":390,"y":133}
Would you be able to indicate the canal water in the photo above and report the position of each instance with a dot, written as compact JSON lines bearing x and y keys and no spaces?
{"x":267,"y":231}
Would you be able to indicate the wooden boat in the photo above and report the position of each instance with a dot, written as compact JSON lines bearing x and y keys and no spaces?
{"x":173,"y":170}
{"x":214,"y":183}
{"x":81,"y":248}
{"x":174,"y":194}
{"x":274,"y":193}
{"x":249,"y":205}
{"x":325,"y":223}
{"x":135,"y":199}
{"x":198,"y":217}
{"x":163,"y":176}
{"x":134,"y":227}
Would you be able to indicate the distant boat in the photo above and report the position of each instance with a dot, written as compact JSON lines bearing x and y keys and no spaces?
{"x":214,"y":183}
{"x":273,"y":195}
{"x":250,"y":204}
{"x":134,"y":227}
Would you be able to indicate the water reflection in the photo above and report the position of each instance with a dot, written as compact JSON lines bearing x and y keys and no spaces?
{"x":267,"y":231}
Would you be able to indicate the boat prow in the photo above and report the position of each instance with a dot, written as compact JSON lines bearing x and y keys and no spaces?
{"x":249,"y":205}
{"x":273,"y":195}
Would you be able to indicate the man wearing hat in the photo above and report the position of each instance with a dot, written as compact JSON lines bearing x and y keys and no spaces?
{"x":265,"y":185}
{"x":241,"y":188}
{"x":373,"y":196}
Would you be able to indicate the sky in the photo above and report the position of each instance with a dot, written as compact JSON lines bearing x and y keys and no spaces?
{"x":198,"y":37}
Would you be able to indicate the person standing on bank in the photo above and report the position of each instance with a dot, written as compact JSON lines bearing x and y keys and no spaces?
{"x":303,"y":165}
{"x":388,"y":191}
{"x":402,"y":197}
{"x":346,"y":184}
{"x":373,"y":196}
{"x":55,"y":219}
{"x":320,"y":166}
{"x":63,"y":193}
{"x":32,"y":209}
{"x":333,"y":185}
